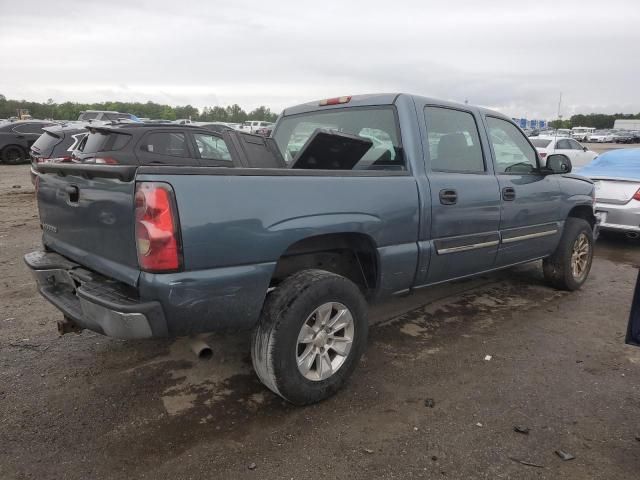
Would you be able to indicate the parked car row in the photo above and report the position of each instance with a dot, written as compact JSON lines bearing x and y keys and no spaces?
{"x":613,"y":136}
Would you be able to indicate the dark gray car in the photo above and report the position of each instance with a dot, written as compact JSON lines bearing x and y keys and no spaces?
{"x":16,"y":139}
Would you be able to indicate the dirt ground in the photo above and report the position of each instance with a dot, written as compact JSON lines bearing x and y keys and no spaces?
{"x":425,"y":401}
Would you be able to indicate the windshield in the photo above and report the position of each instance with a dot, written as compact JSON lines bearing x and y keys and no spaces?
{"x":540,"y":142}
{"x":377,"y":124}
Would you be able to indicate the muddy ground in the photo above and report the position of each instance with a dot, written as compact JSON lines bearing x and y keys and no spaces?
{"x":85,"y":406}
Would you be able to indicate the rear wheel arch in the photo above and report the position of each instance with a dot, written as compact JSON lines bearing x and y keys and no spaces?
{"x":351,"y":255}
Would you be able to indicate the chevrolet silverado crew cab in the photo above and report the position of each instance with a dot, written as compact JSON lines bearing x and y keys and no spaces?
{"x":366,"y":197}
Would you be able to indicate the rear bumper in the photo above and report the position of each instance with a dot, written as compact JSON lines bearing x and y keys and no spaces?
{"x":94,"y":302}
{"x":621,"y":218}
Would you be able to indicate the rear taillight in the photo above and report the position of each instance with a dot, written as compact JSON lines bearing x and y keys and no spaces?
{"x":637,"y":195}
{"x":105,"y":160}
{"x":157,"y":228}
{"x":64,"y":159}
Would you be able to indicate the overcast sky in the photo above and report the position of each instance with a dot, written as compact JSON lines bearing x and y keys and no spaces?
{"x":513,"y":56}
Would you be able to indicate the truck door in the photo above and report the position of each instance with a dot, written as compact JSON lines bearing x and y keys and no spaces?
{"x":531,"y":202}
{"x":465,"y":199}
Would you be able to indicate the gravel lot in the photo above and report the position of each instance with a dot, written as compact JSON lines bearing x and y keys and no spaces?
{"x":424,"y":403}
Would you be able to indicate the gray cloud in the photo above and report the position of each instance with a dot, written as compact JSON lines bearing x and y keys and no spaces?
{"x":513,"y":57}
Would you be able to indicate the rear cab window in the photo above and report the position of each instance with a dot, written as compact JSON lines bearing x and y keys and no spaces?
{"x":377,"y":124}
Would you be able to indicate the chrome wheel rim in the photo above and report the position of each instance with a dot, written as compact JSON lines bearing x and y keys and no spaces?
{"x":580,"y":256}
{"x":324,"y":341}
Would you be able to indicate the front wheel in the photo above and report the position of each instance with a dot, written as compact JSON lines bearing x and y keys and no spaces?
{"x":569,"y":266}
{"x":311,"y":335}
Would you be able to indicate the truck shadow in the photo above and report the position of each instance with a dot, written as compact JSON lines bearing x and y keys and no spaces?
{"x":187,"y":400}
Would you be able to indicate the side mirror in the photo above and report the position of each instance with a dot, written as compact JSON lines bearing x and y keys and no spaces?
{"x":558,"y":163}
{"x":584,"y":149}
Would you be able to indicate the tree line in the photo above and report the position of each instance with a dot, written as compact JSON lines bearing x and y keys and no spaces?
{"x":70,"y":111}
{"x":596,"y":120}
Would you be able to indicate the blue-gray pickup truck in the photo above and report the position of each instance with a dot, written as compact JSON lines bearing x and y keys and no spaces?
{"x":376,"y":195}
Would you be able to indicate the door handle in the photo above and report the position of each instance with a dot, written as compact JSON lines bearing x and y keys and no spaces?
{"x":508,"y":194}
{"x":448,"y":196}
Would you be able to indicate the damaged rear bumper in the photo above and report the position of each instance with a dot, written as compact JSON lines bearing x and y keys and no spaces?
{"x":95,"y":302}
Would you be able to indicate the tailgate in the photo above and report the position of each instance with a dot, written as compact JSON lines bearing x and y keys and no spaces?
{"x":616,"y":192}
{"x":87,"y":215}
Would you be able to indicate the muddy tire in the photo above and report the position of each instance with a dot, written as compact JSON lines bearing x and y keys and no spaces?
{"x":568,"y":268}
{"x":13,"y":155}
{"x":311,"y":335}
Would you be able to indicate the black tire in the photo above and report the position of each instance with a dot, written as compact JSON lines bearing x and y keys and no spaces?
{"x":557,"y":268}
{"x":13,"y":155}
{"x":274,"y":344}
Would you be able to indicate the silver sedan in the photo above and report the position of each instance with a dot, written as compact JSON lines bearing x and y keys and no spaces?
{"x":616,"y":175}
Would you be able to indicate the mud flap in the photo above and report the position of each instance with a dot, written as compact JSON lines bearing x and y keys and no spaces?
{"x":633,"y":329}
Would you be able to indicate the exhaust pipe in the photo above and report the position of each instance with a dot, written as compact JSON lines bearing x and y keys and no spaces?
{"x":633,"y":235}
{"x":66,"y":325}
{"x":201,"y":349}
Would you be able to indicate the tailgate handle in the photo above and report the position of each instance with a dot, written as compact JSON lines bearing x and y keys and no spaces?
{"x":74,"y":193}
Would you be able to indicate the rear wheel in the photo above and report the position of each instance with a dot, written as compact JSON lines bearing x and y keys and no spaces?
{"x":311,"y":335}
{"x":569,"y":266}
{"x":13,"y":155}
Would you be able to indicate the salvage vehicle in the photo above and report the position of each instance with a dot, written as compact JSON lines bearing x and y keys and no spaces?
{"x":133,"y":249}
{"x":616,"y":175}
{"x":17,"y":137}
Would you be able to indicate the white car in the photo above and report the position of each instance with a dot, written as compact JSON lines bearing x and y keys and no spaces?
{"x":601,"y":137}
{"x":252,"y":125}
{"x":578,"y":154}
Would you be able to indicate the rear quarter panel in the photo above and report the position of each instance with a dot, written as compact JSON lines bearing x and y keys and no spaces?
{"x":236,"y":227}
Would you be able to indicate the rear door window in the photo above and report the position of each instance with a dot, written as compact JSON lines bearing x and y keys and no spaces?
{"x":172,"y":144}
{"x":563,"y":145}
{"x":166,"y":148}
{"x":88,"y":116}
{"x":211,"y":147}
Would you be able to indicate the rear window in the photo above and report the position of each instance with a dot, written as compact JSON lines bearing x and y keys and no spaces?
{"x":540,"y":142}
{"x":377,"y":124}
{"x":117,"y":116}
{"x":45,"y":143}
{"x":104,"y":142}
